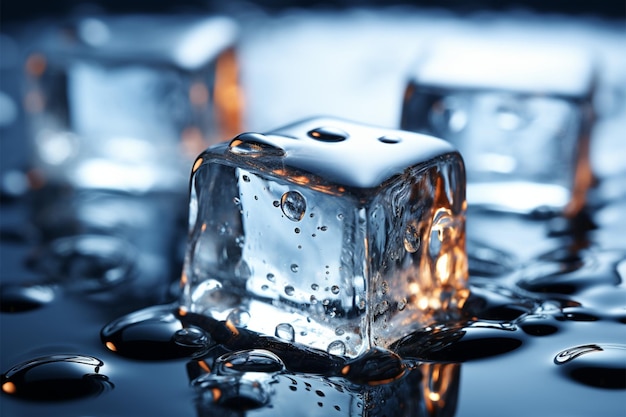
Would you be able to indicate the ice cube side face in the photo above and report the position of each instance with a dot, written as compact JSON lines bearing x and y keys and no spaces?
{"x":106,"y":98}
{"x":325,"y":256}
{"x":520,"y":116}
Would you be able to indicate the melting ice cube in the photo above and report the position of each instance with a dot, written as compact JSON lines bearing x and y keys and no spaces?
{"x":328,"y":233}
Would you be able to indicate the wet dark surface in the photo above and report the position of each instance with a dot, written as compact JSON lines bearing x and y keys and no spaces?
{"x":89,"y":321}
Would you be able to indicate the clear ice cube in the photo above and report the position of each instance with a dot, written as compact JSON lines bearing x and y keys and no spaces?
{"x":327,"y":233}
{"x":127,"y":102}
{"x":519,"y":112}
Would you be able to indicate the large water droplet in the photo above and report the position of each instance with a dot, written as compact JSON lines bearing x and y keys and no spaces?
{"x":56,"y":378}
{"x":148,"y":334}
{"x":336,"y":347}
{"x":328,"y":134}
{"x":286,"y":332}
{"x":239,"y":317}
{"x":254,"y":145}
{"x":293,"y":205}
{"x":596,"y":365}
{"x":253,"y":360}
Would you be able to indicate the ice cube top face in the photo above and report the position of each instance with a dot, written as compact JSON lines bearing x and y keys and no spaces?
{"x":520,"y":115}
{"x":328,"y":233}
{"x":128,"y":102}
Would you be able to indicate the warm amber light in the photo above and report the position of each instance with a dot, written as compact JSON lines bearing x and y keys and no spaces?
{"x":204,"y":366}
{"x":197,"y":164}
{"x":36,"y":64}
{"x":217,"y":394}
{"x":111,"y":346}
{"x":9,"y":387}
{"x":232,"y":328}
{"x":228,"y":96}
{"x":182,"y":311}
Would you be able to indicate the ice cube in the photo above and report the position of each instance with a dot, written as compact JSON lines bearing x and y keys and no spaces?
{"x":520,"y":112}
{"x":127,"y":102}
{"x":328,"y":233}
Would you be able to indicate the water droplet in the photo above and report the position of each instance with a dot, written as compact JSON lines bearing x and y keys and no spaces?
{"x":271,"y":277}
{"x":286,"y":332}
{"x":58,"y":377}
{"x":402,"y":304}
{"x":334,"y":289}
{"x":254,"y":145}
{"x":246,"y":178}
{"x":323,"y":228}
{"x":239,"y":317}
{"x":276,"y":203}
{"x":336,"y":347}
{"x":147,"y":334}
{"x":328,"y":134}
{"x":596,"y":365}
{"x":390,"y":139}
{"x":293,"y":205}
{"x":236,"y":200}
{"x":289,"y":290}
{"x":411,"y":238}
{"x":253,"y":360}
{"x":297,"y":230}
{"x":294,"y":267}
{"x":18,"y":298}
{"x":193,"y":338}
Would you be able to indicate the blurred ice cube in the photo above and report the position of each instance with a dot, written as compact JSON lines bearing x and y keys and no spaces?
{"x":127,"y":102}
{"x":520,"y":113}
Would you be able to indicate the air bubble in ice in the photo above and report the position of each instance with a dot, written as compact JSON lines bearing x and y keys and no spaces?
{"x":293,"y":205}
{"x":334,"y":289}
{"x":289,"y":290}
{"x":285,"y":331}
{"x":336,"y":348}
{"x":411,"y":239}
{"x":239,"y":317}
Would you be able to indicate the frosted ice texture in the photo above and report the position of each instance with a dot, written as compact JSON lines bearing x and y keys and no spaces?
{"x":328,"y":233}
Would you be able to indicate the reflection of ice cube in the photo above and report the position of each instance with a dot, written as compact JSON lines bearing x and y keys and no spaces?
{"x":126,"y":102}
{"x":520,"y":114}
{"x":327,"y":233}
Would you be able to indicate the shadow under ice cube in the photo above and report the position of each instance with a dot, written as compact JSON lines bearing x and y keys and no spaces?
{"x":328,"y":233}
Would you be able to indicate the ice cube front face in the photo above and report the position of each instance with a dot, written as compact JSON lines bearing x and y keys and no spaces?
{"x":108,"y":97}
{"x":520,"y":114}
{"x":328,"y":233}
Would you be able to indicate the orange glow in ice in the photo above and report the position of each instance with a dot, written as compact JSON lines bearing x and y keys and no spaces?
{"x":111,"y":346}
{"x":36,"y":64}
{"x":9,"y":387}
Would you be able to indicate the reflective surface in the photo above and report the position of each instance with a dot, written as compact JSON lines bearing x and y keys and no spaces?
{"x":541,"y":333}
